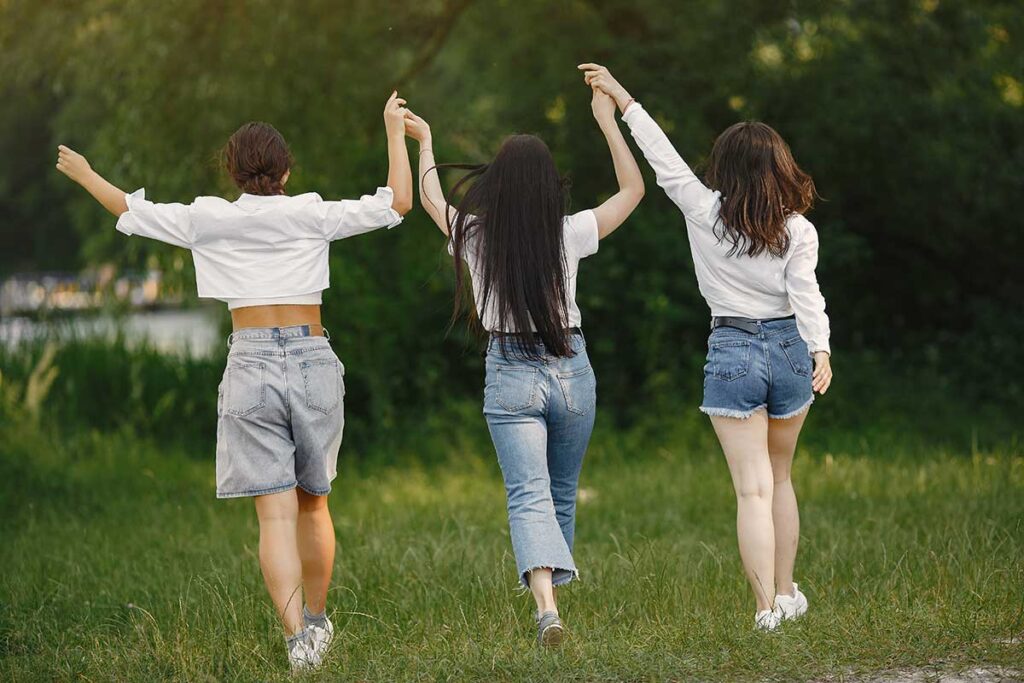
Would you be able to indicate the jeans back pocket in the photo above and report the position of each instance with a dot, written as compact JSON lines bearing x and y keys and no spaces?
{"x":580,"y":390}
{"x":244,"y":389}
{"x":799,"y":358}
{"x":322,"y":379}
{"x":729,"y":359}
{"x":516,"y":388}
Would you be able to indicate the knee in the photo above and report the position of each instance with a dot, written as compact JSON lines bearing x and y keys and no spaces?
{"x":756,"y":491}
{"x":310,"y":503}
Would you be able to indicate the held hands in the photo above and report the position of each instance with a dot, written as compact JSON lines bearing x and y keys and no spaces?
{"x":598,"y":77}
{"x":394,"y":115}
{"x":72,"y":164}
{"x":603,"y":106}
{"x":822,"y":377}
{"x":417,"y":129}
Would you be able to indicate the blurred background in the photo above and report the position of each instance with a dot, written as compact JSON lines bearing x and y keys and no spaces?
{"x":908,"y":113}
{"x":119,"y":563}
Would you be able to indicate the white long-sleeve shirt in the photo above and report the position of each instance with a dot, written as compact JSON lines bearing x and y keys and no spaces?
{"x":762,"y":286}
{"x":259,"y":249}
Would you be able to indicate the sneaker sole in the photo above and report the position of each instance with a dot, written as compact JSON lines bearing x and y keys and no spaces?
{"x":552,"y":636}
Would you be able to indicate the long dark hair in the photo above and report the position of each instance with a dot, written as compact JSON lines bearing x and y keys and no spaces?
{"x":761,"y":186}
{"x":257,"y":157}
{"x":512,"y":212}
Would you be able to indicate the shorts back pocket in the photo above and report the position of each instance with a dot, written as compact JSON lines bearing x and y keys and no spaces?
{"x":796,"y":351}
{"x":322,"y":378}
{"x":244,"y":388}
{"x":729,"y":359}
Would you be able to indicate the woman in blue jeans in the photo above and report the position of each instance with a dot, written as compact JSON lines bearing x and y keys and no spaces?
{"x":754,"y":255}
{"x":523,"y":253}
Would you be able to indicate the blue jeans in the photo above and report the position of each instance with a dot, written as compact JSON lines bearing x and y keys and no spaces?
{"x":540,"y":414}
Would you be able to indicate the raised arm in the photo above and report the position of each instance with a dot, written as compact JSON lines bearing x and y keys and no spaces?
{"x":75,"y":166}
{"x":616,"y":209}
{"x":692,"y":197}
{"x":431,"y":194}
{"x":170,"y":223}
{"x":399,"y":172}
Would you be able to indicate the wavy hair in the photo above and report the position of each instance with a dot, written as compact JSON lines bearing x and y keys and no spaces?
{"x":761,"y":186}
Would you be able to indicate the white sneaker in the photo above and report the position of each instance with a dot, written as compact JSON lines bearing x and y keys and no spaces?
{"x":321,"y":637}
{"x":302,"y":656}
{"x":767,"y":620}
{"x":792,"y":606}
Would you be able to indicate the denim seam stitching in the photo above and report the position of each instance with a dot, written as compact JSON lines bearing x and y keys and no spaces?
{"x":263,"y":389}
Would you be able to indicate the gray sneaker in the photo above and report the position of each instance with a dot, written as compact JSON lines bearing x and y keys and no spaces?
{"x":549,"y":630}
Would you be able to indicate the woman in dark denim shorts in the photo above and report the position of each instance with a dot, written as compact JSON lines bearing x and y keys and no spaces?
{"x":754,"y":255}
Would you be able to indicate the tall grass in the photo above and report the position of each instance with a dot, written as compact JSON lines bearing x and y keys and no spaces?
{"x":120,"y":565}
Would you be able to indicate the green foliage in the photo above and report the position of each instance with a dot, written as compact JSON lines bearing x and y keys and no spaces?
{"x":910,"y":115}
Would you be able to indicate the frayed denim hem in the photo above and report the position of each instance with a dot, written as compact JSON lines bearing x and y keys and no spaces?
{"x":802,"y":409}
{"x":567,"y":576}
{"x":729,"y":412}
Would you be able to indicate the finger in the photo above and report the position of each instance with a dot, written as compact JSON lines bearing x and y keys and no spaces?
{"x":399,"y":100}
{"x":394,"y":94}
{"x":64,"y":148}
{"x":589,"y":66}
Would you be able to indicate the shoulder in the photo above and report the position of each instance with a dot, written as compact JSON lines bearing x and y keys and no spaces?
{"x":581,"y":224}
{"x":800,"y":228}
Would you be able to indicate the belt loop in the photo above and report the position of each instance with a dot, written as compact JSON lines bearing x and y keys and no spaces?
{"x":327,"y":335}
{"x":305,"y":331}
{"x":231,"y":338}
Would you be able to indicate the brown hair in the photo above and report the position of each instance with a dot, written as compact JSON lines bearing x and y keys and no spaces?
{"x":257,"y":157}
{"x":761,"y":186}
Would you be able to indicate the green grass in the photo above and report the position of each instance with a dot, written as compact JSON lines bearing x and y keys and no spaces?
{"x":119,"y":564}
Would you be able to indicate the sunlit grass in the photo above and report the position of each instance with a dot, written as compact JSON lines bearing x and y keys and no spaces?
{"x":119,"y":564}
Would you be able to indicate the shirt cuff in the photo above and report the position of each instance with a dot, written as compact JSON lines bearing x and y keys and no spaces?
{"x":386,"y":196}
{"x":819,"y":346}
{"x":631,"y":111}
{"x":126,"y":221}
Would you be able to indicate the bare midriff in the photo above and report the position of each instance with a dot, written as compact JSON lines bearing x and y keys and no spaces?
{"x":287,"y":315}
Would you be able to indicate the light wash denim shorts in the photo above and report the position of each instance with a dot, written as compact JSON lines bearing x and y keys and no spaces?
{"x":280,"y":413}
{"x":770,"y":370}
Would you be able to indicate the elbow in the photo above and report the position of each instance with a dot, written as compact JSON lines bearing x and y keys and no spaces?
{"x":402,"y":205}
{"x":636,"y":193}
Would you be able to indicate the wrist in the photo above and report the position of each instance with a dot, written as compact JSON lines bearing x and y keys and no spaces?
{"x":426,"y":144}
{"x":395,"y":135}
{"x":622,"y":100}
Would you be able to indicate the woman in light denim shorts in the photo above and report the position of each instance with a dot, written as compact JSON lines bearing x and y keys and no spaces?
{"x":279,"y":406}
{"x":754,"y":255}
{"x":523,"y":255}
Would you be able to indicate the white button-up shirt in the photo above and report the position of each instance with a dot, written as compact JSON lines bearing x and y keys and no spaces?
{"x":762,"y":286}
{"x":259,"y":249}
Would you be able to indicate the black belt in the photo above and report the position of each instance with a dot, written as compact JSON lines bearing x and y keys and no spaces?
{"x":572,"y":332}
{"x":748,"y":325}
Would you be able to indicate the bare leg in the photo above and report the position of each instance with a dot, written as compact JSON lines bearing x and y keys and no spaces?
{"x":279,"y":556}
{"x":782,"y":437}
{"x":543,"y":591}
{"x":316,"y":548}
{"x":745,"y":444}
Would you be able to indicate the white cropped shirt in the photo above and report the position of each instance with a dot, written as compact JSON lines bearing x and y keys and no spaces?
{"x":763,"y":286}
{"x":579,"y":240}
{"x":259,"y":250}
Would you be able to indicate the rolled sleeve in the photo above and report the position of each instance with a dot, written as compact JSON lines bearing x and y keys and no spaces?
{"x":348,"y":217}
{"x":170,"y":223}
